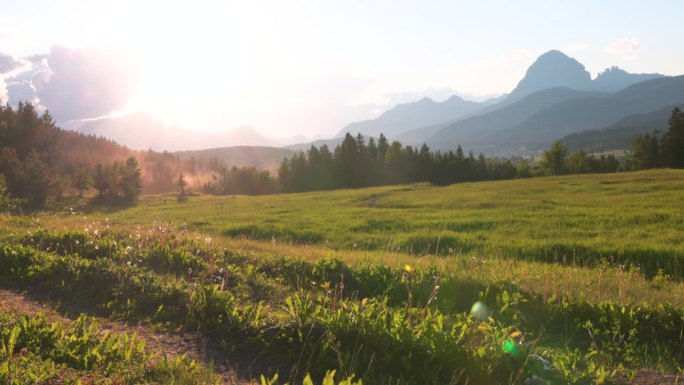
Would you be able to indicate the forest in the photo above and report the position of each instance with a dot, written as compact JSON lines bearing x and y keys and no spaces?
{"x":40,"y":162}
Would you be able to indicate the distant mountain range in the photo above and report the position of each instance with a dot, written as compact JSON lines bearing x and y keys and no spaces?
{"x":404,"y":117}
{"x":140,"y":131}
{"x":477,"y":130}
{"x":557,"y":98}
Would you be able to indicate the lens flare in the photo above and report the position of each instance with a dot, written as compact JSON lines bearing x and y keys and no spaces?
{"x":510,"y":347}
{"x":480,"y":311}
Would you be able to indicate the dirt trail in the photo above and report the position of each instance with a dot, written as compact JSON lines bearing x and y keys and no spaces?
{"x":235,"y":366}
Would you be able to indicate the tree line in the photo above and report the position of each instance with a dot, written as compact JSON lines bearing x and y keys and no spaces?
{"x":39,"y":161}
{"x":355,"y":163}
{"x":652,"y":150}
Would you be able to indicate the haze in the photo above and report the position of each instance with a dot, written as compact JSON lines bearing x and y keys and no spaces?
{"x":306,"y":68}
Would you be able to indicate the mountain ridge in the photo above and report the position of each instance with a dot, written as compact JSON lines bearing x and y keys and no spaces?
{"x":141,"y":132}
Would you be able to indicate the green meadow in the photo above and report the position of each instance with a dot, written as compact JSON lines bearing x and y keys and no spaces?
{"x":630,"y":218}
{"x":560,"y":280}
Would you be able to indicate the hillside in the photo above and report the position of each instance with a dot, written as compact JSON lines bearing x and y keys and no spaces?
{"x":588,"y":113}
{"x":619,"y":135}
{"x":470,"y":132}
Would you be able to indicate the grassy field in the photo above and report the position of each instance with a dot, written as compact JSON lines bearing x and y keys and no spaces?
{"x":634,"y":218}
{"x":553,"y":280}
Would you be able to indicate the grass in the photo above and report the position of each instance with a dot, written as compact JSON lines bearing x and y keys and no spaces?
{"x":628,"y":218}
{"x":580,"y":276}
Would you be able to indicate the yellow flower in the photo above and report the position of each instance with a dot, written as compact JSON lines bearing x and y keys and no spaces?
{"x":408,"y":268}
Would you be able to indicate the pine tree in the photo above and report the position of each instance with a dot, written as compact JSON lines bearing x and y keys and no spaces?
{"x":131,"y":180}
{"x":673,"y":142}
{"x":41,"y":182}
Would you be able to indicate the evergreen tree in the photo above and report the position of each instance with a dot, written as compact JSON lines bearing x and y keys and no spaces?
{"x":41,"y":182}
{"x":644,"y":152}
{"x":673,"y":142}
{"x":383,"y":145}
{"x":285,"y":175}
{"x":131,"y":180}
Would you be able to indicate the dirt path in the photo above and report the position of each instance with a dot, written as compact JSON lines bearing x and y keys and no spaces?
{"x":235,"y":366}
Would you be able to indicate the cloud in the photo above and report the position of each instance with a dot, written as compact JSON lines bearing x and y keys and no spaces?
{"x":82,"y":84}
{"x":72,"y":84}
{"x":623,"y":46}
{"x":8,"y":63}
{"x":21,"y":92}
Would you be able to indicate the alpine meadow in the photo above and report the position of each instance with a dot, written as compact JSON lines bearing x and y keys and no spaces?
{"x":356,"y":192}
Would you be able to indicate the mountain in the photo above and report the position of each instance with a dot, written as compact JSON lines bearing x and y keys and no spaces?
{"x":615,"y":79}
{"x":558,"y":76}
{"x":588,"y":113}
{"x":404,"y":117}
{"x":619,"y":135}
{"x":470,"y":132}
{"x":140,"y":131}
{"x":550,"y":70}
{"x":556,"y":69}
{"x":268,"y":158}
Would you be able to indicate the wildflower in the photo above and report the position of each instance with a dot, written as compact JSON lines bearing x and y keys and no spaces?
{"x":408,"y":269}
{"x":207,"y":239}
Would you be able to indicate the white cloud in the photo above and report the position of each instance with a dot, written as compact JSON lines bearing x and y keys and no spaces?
{"x":623,"y":46}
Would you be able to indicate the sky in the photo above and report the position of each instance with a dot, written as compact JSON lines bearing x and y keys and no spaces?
{"x":307,"y":67}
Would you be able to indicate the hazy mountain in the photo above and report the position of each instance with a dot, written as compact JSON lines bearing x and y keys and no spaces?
{"x":550,"y":70}
{"x":619,"y":135}
{"x":268,"y":158}
{"x":140,"y":131}
{"x":420,"y":135}
{"x":615,"y":79}
{"x":588,"y":113}
{"x":404,"y":117}
{"x":550,"y":73}
{"x":470,"y":132}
